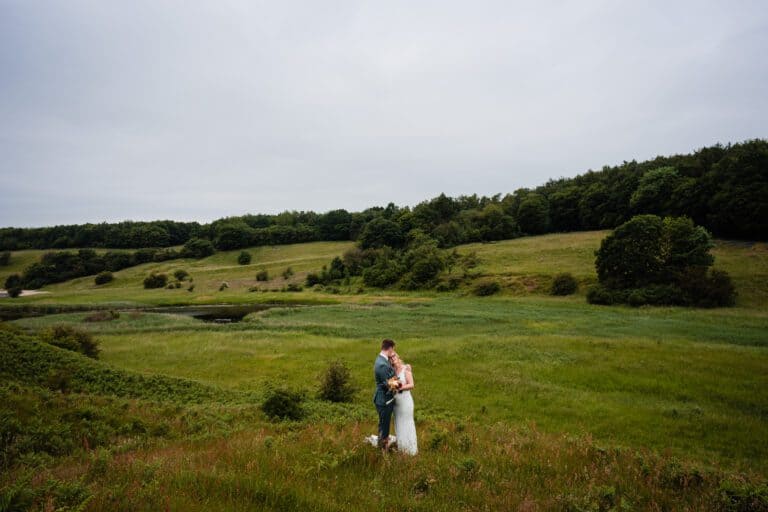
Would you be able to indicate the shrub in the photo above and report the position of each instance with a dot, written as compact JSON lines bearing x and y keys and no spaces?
{"x":293,"y":287}
{"x":284,"y":404}
{"x":287,"y":273}
{"x":197,"y":248}
{"x":564,"y":284}
{"x":262,"y":275}
{"x":71,"y":338}
{"x":165,"y":255}
{"x":103,"y":277}
{"x":13,"y":281}
{"x":244,"y":258}
{"x":485,"y":288}
{"x":143,"y":256}
{"x":191,"y":288}
{"x":313,"y":279}
{"x":223,"y":286}
{"x":154,"y":280}
{"x":180,"y":274}
{"x":14,"y":291}
{"x":336,"y":384}
{"x":598,"y":294}
{"x":5,"y":258}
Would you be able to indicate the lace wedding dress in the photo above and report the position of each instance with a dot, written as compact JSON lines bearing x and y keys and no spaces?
{"x":405,"y":428}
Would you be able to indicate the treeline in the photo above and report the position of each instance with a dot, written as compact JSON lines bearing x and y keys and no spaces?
{"x":60,"y":266}
{"x":723,"y":188}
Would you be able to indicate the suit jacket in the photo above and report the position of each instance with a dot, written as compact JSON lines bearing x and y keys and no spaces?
{"x":382,"y":371}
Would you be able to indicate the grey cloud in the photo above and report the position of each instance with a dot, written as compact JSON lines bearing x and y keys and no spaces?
{"x":182,"y":110}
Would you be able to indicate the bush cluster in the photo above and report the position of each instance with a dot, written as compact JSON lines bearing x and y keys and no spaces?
{"x":155,"y":280}
{"x":336,"y":383}
{"x":262,"y":275}
{"x":564,"y":284}
{"x":649,"y":260}
{"x":103,"y":277}
{"x":284,"y":404}
{"x":244,"y":258}
{"x":485,"y":288}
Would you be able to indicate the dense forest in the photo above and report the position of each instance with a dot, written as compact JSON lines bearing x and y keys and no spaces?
{"x":724,"y":188}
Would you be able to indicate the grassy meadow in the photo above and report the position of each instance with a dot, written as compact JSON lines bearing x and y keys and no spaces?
{"x":523,"y":401}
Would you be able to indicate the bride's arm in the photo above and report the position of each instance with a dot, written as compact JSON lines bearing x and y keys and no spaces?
{"x":408,"y":379}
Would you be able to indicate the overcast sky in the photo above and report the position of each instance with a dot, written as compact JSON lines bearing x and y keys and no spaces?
{"x":114,"y":110}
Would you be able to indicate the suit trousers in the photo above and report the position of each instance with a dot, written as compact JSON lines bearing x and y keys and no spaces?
{"x":385,"y":417}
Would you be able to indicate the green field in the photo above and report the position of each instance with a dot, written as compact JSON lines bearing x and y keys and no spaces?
{"x":523,"y":401}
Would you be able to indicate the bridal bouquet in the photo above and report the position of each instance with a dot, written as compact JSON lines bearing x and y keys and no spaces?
{"x":393,"y":383}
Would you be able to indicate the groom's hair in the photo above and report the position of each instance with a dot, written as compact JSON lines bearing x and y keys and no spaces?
{"x":387,"y":344}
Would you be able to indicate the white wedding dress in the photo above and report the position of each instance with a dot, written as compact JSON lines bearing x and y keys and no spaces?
{"x":405,"y":428}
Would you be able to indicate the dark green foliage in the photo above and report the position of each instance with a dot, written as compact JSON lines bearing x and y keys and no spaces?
{"x":485,"y":288}
{"x":114,"y":261}
{"x":12,"y":281}
{"x":262,"y":275}
{"x":14,"y":291}
{"x":71,"y":338}
{"x":655,"y":192}
{"x":103,"y":277}
{"x":336,"y":383}
{"x":424,"y":262}
{"x":244,"y":258}
{"x":5,"y":258}
{"x":313,"y":279}
{"x":180,"y":274}
{"x":154,"y":280}
{"x":564,"y":284}
{"x":631,"y":255}
{"x":385,"y":270}
{"x":293,"y":287}
{"x":533,"y":214}
{"x":381,"y":232}
{"x":597,"y":294}
{"x":284,"y":404}
{"x":126,"y":235}
{"x":335,"y":225}
{"x":287,"y":273}
{"x":197,"y":248}
{"x":648,"y":260}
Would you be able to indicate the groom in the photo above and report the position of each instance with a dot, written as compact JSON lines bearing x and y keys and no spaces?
{"x":384,"y":398}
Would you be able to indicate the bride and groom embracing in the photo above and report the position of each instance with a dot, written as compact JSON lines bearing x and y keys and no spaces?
{"x":394,"y":382}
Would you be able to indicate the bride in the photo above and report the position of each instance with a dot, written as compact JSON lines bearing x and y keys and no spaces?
{"x":405,"y":428}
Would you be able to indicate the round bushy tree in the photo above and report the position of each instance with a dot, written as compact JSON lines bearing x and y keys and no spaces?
{"x":154,"y":280}
{"x":197,"y":248}
{"x":244,"y":258}
{"x":103,"y":277}
{"x":631,"y":255}
{"x":564,"y":284}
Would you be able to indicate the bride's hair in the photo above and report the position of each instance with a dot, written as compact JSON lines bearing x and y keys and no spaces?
{"x":394,"y":357}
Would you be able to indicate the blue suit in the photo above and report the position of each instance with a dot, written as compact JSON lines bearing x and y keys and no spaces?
{"x":382,"y":371}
